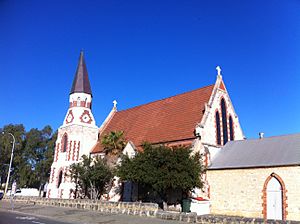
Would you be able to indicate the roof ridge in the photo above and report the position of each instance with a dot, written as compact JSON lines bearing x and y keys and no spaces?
{"x":268,"y":152}
{"x":165,"y":98}
{"x":259,"y":139}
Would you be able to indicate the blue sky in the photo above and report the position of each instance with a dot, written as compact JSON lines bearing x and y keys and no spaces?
{"x":140,"y":51}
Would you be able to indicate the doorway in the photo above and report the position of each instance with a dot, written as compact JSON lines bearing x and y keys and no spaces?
{"x":274,"y":199}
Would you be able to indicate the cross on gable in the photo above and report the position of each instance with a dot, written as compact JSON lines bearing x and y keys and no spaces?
{"x":218,"y":68}
{"x":115,"y":103}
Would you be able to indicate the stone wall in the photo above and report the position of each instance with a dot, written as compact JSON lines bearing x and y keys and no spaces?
{"x":130,"y":208}
{"x":145,"y":209}
{"x":220,"y":219}
{"x":239,"y":192}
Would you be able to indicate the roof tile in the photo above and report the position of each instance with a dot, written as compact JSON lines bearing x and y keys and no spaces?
{"x":162,"y":121}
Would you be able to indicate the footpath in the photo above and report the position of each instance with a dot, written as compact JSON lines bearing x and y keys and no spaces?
{"x":84,"y":212}
{"x":80,"y":216}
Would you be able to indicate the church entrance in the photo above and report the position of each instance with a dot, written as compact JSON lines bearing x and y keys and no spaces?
{"x":130,"y":191}
{"x":274,"y":199}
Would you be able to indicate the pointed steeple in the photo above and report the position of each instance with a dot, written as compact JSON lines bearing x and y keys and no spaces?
{"x":81,"y":83}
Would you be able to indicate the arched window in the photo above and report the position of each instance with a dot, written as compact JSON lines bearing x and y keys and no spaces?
{"x":64,"y":143}
{"x":78,"y":102}
{"x":231,"y":130}
{"x":218,"y":128}
{"x":59,"y":179}
{"x":224,"y":121}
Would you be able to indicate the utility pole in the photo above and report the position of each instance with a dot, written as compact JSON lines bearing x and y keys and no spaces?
{"x":10,"y":163}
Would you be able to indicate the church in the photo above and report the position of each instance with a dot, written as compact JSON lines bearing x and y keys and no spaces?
{"x":242,"y":175}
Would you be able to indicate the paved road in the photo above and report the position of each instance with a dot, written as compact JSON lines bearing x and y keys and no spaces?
{"x":60,"y":215}
{"x":7,"y":217}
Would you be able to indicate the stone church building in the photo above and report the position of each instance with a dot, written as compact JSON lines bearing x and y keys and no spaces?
{"x":241,"y":173}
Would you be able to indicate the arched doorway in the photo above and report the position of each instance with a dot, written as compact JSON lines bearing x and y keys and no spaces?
{"x":274,"y":199}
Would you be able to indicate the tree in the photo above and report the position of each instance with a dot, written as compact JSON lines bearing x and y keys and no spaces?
{"x":113,"y":143}
{"x":18,"y":131}
{"x":45,"y":157}
{"x":38,"y":156}
{"x":162,"y":169}
{"x":91,"y":177}
{"x":33,"y":155}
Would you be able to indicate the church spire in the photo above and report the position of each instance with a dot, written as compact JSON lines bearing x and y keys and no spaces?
{"x":81,"y":83}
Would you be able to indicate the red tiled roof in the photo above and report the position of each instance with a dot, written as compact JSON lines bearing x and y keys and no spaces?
{"x":167,"y":120}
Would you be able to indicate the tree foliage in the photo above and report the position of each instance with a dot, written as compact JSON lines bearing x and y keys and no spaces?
{"x":161,"y":169}
{"x":91,"y":177}
{"x":113,"y":144}
{"x":33,"y":155}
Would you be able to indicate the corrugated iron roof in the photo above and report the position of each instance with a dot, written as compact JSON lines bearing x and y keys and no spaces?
{"x":266,"y":152}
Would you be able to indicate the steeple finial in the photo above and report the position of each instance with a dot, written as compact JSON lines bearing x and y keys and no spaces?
{"x":218,"y":68}
{"x":81,"y":83}
{"x":115,"y":103}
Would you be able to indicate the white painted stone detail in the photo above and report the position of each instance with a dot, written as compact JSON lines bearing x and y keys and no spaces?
{"x":208,"y":123}
{"x":218,"y":68}
{"x":82,"y":136}
{"x":129,"y":150}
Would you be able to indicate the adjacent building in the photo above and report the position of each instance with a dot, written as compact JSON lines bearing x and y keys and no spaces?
{"x":257,"y":178}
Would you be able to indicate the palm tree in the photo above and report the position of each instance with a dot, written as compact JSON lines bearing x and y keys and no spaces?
{"x":113,"y":143}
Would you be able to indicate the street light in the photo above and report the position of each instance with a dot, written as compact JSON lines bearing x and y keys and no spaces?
{"x":11,"y":158}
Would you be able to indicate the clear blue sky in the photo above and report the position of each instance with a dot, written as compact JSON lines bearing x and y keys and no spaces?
{"x":141,"y":51}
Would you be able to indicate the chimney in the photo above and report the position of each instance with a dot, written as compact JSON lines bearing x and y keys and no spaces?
{"x":261,"y":135}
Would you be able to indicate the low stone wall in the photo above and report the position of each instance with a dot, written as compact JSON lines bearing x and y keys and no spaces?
{"x":207,"y":219}
{"x":130,"y":208}
{"x":144,"y":209}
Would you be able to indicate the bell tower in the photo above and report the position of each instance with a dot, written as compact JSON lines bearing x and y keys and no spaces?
{"x":77,"y":135}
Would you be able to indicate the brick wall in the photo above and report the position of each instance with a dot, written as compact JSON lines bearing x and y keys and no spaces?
{"x":240,"y":191}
